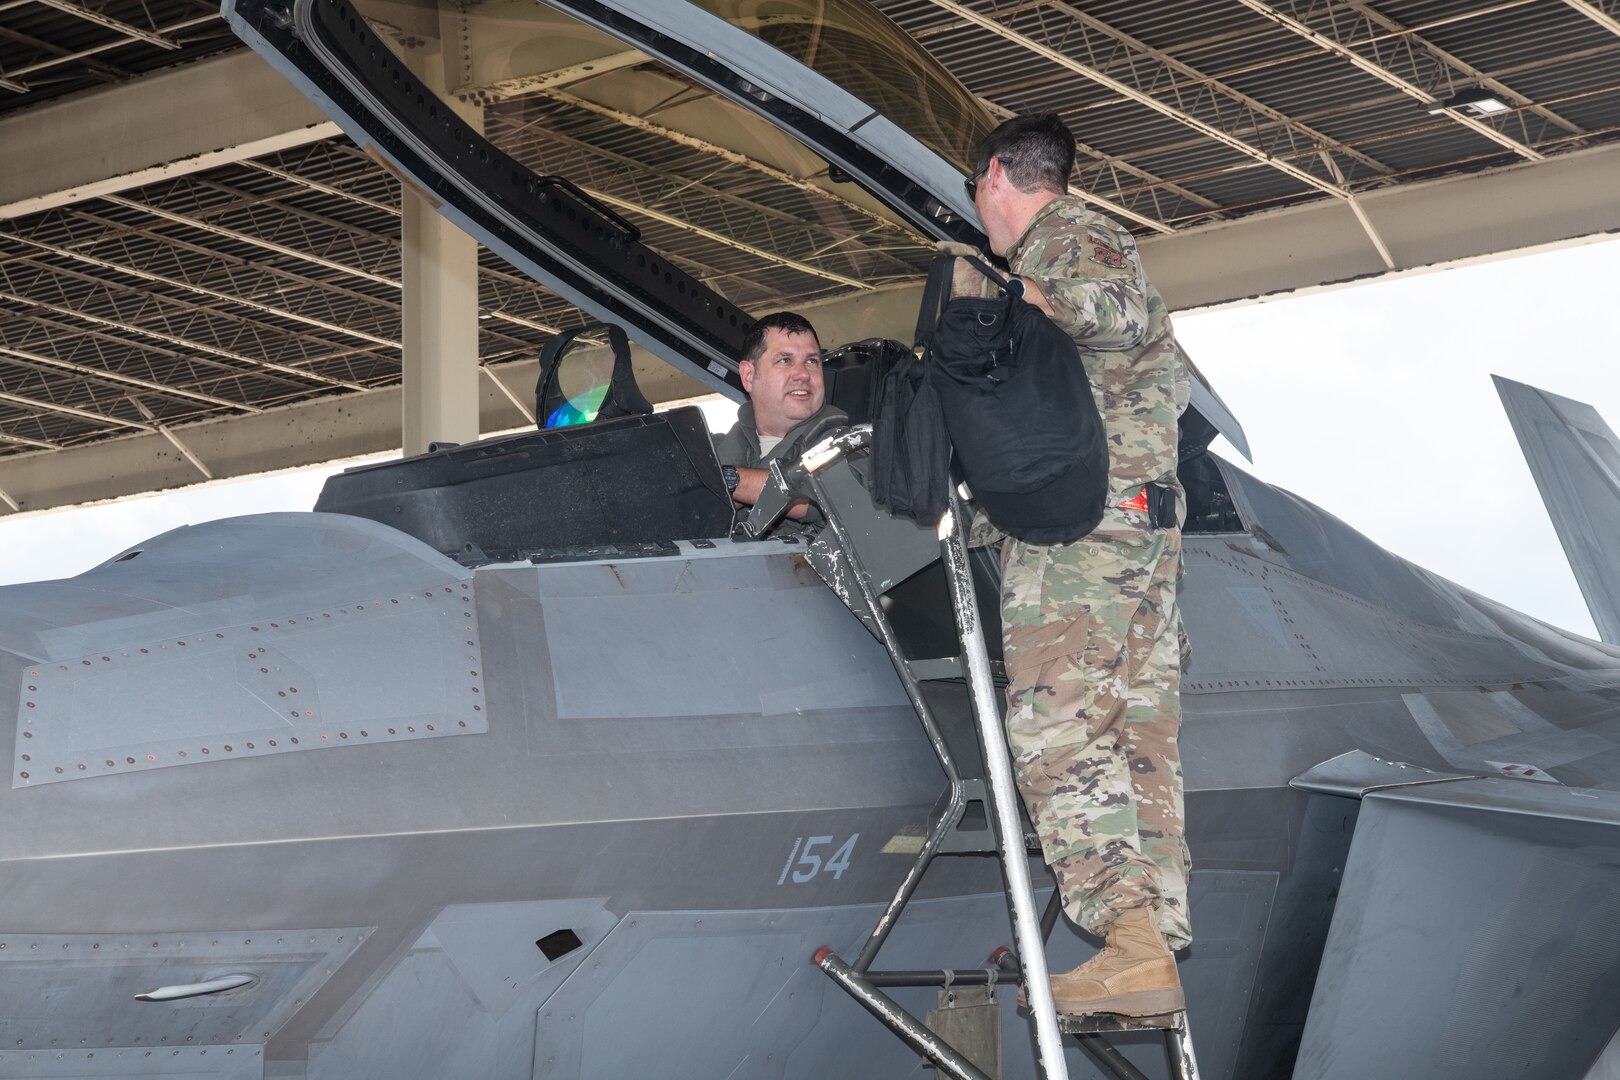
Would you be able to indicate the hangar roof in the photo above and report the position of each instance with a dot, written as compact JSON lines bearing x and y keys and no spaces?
{"x":273,"y":279}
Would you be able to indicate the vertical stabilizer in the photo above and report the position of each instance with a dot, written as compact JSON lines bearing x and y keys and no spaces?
{"x":1575,"y":459}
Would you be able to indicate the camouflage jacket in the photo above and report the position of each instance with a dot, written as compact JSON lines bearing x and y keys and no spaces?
{"x":1088,"y":267}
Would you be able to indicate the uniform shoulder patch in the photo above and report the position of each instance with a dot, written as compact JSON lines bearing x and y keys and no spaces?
{"x":1104,"y":248}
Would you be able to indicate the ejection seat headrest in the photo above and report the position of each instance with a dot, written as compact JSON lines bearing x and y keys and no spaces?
{"x":577,"y":386}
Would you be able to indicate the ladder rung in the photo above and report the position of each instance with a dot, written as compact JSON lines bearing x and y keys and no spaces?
{"x":941,"y":977}
{"x":1111,"y":1024}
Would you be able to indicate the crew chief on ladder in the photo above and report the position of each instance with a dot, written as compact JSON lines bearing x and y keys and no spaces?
{"x":1091,"y":629}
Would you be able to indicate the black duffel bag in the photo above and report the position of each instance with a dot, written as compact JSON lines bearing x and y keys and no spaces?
{"x":1018,"y":407}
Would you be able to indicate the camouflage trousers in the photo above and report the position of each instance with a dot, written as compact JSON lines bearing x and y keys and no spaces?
{"x":1091,"y":633}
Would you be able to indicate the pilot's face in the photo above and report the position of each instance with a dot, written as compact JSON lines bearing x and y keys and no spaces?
{"x":785,"y":383}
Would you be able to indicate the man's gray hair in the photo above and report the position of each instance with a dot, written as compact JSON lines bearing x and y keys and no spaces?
{"x":1036,"y":151}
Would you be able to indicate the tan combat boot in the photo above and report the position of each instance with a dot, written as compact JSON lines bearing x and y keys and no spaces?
{"x":1134,"y":975}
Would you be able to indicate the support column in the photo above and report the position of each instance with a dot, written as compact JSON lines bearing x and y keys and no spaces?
{"x":439,"y":309}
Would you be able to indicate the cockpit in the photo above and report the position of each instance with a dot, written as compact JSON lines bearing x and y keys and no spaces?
{"x":606,"y":477}
{"x":837,"y":113}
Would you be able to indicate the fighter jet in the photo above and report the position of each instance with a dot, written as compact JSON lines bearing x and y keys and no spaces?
{"x":510,"y":760}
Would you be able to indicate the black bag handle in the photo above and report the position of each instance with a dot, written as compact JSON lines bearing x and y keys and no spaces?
{"x":937,"y":293}
{"x":1012,"y":285}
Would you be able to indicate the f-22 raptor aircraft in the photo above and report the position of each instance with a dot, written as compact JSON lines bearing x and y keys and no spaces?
{"x":512,"y":762}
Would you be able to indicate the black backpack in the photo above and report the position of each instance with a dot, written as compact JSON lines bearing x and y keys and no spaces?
{"x":1018,"y":407}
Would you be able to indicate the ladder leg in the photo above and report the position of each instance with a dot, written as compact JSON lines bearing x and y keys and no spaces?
{"x":914,"y":1032}
{"x":1049,"y":917}
{"x":913,"y":878}
{"x":1109,"y":1059}
{"x":1009,"y":823}
{"x":1178,"y":1048}
{"x":953,"y":777}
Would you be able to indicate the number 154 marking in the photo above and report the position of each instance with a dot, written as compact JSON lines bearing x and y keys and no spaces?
{"x":804,"y":863}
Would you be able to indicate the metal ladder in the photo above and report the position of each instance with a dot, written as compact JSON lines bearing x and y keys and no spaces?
{"x":986,"y":781}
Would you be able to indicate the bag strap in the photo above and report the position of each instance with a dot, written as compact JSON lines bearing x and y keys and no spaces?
{"x":936,"y":293}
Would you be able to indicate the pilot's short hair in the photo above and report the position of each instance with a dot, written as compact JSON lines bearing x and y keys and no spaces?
{"x":1036,"y":151}
{"x":789,"y":322}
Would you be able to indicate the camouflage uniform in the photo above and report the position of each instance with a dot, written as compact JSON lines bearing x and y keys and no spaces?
{"x":1091,"y":629}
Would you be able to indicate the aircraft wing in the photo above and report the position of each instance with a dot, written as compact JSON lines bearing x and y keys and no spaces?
{"x":1575,"y":459}
{"x":1475,"y":918}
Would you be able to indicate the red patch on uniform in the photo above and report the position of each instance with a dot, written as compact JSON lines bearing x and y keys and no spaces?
{"x":1105,"y":254}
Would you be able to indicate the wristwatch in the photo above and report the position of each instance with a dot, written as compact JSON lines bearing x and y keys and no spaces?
{"x":729,"y":474}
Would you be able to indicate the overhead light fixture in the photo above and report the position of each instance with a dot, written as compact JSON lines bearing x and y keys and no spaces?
{"x":1476,"y":101}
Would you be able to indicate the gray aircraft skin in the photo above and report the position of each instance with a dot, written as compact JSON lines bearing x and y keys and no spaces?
{"x":589,"y":815}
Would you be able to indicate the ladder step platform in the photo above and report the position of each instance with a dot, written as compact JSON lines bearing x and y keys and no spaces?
{"x":1091,"y":1032}
{"x":1111,"y":1024}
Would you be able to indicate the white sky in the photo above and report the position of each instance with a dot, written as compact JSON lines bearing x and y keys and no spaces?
{"x":1374,"y":402}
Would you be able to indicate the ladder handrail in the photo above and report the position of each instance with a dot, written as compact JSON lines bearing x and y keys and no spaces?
{"x":1028,"y":941}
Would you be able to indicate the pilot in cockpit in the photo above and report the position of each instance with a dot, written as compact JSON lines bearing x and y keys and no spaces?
{"x":780,"y":367}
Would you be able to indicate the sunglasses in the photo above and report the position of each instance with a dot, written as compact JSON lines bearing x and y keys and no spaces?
{"x":971,"y":184}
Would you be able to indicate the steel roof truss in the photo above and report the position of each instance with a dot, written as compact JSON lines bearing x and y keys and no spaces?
{"x":36,"y":444}
{"x":325,"y":189}
{"x":68,"y":410}
{"x":1462,"y":67}
{"x":238,"y":298}
{"x":252,"y":240}
{"x":225,"y":298}
{"x":107,"y":295}
{"x":1211,"y":130}
{"x":122,"y":234}
{"x":174,"y":440}
{"x":106,"y":46}
{"x":524,"y":284}
{"x":135,"y":33}
{"x":1592,"y":11}
{"x":31,"y":331}
{"x":176,"y":341}
{"x":116,"y":378}
{"x":299,"y":219}
{"x":96,"y":67}
{"x":1308,"y":136}
{"x":41,"y":331}
{"x":1332,"y":42}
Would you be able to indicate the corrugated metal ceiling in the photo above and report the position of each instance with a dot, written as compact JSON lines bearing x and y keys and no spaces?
{"x":277,"y":280}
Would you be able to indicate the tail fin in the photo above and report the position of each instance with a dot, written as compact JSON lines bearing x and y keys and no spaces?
{"x":1575,"y":459}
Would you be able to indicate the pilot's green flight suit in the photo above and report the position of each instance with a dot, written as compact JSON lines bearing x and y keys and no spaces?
{"x":739,"y":446}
